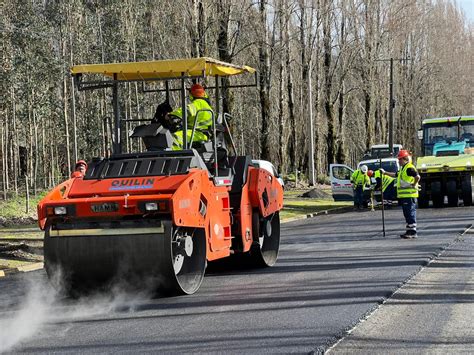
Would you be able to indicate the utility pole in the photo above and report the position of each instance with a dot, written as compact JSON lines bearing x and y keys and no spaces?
{"x":391,"y":104}
{"x":311,"y":130}
{"x":390,"y":111}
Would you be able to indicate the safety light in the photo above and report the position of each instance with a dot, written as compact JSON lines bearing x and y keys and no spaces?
{"x":60,"y":210}
{"x":151,"y":206}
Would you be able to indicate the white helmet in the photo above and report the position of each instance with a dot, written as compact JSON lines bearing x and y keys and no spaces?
{"x":364,"y":169}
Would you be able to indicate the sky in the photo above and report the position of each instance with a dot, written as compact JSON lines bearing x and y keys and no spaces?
{"x":468,"y":7}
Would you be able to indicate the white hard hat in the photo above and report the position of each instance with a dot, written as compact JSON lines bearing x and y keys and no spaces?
{"x":364,"y":168}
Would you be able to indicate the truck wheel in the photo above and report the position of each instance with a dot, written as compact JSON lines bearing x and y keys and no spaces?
{"x":452,"y":192}
{"x":266,"y":239}
{"x":437,"y":194}
{"x":466,"y":186}
{"x":423,"y":199}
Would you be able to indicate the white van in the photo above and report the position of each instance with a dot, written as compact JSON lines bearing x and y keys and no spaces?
{"x":340,"y":176}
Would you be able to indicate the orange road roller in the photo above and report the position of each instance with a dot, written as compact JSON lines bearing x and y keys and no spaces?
{"x":160,"y":215}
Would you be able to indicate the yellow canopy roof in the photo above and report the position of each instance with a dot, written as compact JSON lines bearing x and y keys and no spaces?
{"x":163,"y":69}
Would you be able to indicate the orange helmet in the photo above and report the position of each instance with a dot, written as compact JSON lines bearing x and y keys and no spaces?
{"x":370,"y":173}
{"x":403,"y":154}
{"x":81,"y":162}
{"x":197,"y":91}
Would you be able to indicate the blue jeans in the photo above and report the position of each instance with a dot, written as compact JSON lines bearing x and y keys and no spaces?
{"x":358,"y":196}
{"x":409,"y":212}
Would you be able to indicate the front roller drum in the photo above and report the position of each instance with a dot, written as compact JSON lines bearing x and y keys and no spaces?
{"x":266,"y":239}
{"x":171,"y":260}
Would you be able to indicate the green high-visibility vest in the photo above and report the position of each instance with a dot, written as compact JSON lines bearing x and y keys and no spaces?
{"x":386,"y":180}
{"x":204,"y":118}
{"x":204,"y":122}
{"x":179,"y":142}
{"x":405,"y":188}
{"x":358,"y":178}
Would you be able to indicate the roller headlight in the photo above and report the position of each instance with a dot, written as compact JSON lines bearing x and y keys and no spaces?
{"x":151,"y":206}
{"x":60,"y":210}
{"x":154,"y":206}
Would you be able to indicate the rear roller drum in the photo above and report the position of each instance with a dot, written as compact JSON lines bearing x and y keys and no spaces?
{"x":452,"y":192}
{"x":437,"y":194}
{"x":266,"y":239}
{"x":466,"y":187}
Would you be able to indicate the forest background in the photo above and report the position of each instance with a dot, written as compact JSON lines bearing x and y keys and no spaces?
{"x":324,"y":59}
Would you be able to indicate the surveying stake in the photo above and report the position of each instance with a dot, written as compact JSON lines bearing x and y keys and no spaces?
{"x":381,"y":197}
{"x":372,"y":200}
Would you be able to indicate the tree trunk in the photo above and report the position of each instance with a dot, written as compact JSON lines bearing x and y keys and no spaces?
{"x":328,"y":105}
{"x":223,"y":50}
{"x":4,"y":160}
{"x":281,"y":95}
{"x":66,"y":124}
{"x":264,"y":64}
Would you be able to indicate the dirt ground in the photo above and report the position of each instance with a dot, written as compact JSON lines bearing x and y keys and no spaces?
{"x":19,"y":252}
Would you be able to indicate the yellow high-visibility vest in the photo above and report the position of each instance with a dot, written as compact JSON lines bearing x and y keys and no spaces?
{"x":405,"y":187}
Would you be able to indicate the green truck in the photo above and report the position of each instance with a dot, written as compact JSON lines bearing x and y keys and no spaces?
{"x":446,"y":165}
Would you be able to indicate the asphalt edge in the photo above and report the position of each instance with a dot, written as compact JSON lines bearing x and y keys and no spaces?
{"x":336,"y":210}
{"x":25,"y":268}
{"x":331,"y":345}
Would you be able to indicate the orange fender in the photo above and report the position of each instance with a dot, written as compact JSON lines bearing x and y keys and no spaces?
{"x":265,"y":192}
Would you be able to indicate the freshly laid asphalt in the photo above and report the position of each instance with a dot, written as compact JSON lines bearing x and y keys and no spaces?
{"x":333,"y":271}
{"x":432,"y":313}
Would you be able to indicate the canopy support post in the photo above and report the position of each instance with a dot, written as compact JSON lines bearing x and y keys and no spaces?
{"x":117,"y":147}
{"x":184,"y":113}
{"x":167,"y":94}
{"x":215,"y":119}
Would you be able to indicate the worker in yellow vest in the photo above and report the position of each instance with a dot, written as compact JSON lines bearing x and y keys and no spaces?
{"x":384,"y":183}
{"x":407,"y":191}
{"x":359,"y":180}
{"x":200,"y":111}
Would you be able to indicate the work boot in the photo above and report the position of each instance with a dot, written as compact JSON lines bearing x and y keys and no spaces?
{"x":408,"y":236}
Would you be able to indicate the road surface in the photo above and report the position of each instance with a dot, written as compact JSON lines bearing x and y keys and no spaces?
{"x":332,"y":272}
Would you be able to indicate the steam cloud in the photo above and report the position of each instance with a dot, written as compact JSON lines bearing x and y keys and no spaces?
{"x":43,"y":305}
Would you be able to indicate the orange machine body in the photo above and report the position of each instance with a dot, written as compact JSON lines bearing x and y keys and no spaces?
{"x":189,"y":200}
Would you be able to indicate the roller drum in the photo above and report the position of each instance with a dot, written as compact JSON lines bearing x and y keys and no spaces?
{"x":166,"y":258}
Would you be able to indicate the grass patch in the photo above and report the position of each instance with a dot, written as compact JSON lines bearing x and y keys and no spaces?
{"x":294,"y":206}
{"x":16,"y":207}
{"x":23,"y":232}
{"x":304,"y":206}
